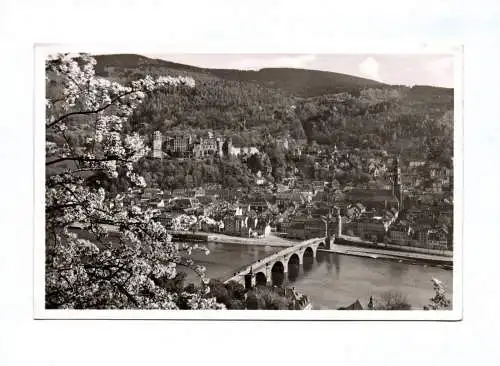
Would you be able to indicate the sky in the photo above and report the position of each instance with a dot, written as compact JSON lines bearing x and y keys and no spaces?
{"x":404,"y":69}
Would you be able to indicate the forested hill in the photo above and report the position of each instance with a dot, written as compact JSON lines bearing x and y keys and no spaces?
{"x":131,"y":61}
{"x":297,"y":82}
{"x":300,"y":82}
{"x":325,"y":107}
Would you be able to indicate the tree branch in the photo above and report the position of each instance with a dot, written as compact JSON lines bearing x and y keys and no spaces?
{"x":126,"y":293}
{"x":91,"y":111}
{"x":82,"y":158}
{"x":66,"y":205}
{"x":71,"y":147}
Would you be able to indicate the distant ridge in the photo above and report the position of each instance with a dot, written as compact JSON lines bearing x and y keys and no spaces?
{"x":130,"y":61}
{"x":301,"y":82}
{"x":298,"y":82}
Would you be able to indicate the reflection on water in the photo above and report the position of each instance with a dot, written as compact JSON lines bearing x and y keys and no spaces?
{"x":335,"y":280}
{"x":340,"y":280}
{"x":225,"y":259}
{"x":333,"y":260}
{"x":396,"y":270}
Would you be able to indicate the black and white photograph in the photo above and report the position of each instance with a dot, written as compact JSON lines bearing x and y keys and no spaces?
{"x":272,"y":182}
{"x":179,"y":184}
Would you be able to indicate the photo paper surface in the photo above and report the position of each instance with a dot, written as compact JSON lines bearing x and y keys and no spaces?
{"x":225,"y":186}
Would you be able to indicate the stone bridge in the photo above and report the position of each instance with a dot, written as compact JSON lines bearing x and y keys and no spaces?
{"x":278,"y":268}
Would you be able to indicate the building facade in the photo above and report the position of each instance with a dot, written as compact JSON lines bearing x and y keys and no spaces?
{"x":181,"y":145}
{"x":157,"y":145}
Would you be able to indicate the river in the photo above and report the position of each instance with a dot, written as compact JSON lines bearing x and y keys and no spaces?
{"x":337,"y":281}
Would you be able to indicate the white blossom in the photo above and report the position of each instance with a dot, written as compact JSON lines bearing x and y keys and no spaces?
{"x":124,"y":251}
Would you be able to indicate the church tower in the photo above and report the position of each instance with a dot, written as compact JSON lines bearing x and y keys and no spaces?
{"x":397,"y":190}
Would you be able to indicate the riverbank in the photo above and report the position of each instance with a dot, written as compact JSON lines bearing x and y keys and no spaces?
{"x":407,"y":257}
{"x":358,"y":242}
{"x":346,"y":247}
{"x":271,"y":240}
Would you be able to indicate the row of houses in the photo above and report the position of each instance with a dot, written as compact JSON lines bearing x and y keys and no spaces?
{"x":303,"y":228}
{"x":423,"y":237}
{"x":246,"y":226}
{"x":233,"y":222}
{"x":367,"y":225}
{"x":378,"y":230}
{"x":429,"y":177}
{"x":311,"y":221}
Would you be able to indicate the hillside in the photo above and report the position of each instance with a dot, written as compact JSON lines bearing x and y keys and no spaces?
{"x":131,"y":61}
{"x":326,"y":107}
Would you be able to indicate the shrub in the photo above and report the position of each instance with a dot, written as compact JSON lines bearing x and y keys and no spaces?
{"x":236,"y":304}
{"x":254,"y":301}
{"x":266,"y":298}
{"x":440,"y":300}
{"x":175,"y":284}
{"x":392,"y":300}
{"x":219,"y":291}
{"x":236,"y":290}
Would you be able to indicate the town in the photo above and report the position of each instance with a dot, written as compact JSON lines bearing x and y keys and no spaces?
{"x":193,"y":190}
{"x":402,"y":203}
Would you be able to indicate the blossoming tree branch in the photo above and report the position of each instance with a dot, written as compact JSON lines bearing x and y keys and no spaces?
{"x":123,"y":268}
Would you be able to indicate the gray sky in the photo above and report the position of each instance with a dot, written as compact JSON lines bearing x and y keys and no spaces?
{"x":421,"y":69}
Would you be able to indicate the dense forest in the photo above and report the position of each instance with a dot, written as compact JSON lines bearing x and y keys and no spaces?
{"x":325,"y":107}
{"x":247,"y":112}
{"x":255,"y":107}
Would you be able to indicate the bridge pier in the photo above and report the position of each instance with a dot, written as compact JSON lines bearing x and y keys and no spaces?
{"x":249,"y":281}
{"x":300,"y":270}
{"x":329,"y":240}
{"x":267,"y":272}
{"x":286,"y":280}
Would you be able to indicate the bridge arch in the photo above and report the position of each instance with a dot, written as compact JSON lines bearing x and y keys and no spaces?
{"x":279,"y":267}
{"x":278,"y":274}
{"x":260,"y":279}
{"x":293,"y":267}
{"x":308,"y":259}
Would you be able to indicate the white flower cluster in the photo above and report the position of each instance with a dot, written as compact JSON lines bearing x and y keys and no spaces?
{"x":176,"y":81}
{"x":51,"y":148}
{"x":197,"y":302}
{"x":99,"y":270}
{"x":134,"y":147}
{"x":136,"y":179}
{"x":161,"y":270}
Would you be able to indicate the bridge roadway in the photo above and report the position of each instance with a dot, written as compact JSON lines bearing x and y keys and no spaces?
{"x":276,"y":268}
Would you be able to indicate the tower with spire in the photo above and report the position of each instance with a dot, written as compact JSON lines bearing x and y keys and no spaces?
{"x":397,"y":190}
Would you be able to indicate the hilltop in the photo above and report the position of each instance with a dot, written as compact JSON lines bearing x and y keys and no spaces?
{"x":297,"y":82}
{"x":132,"y":61}
{"x":300,"y":82}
